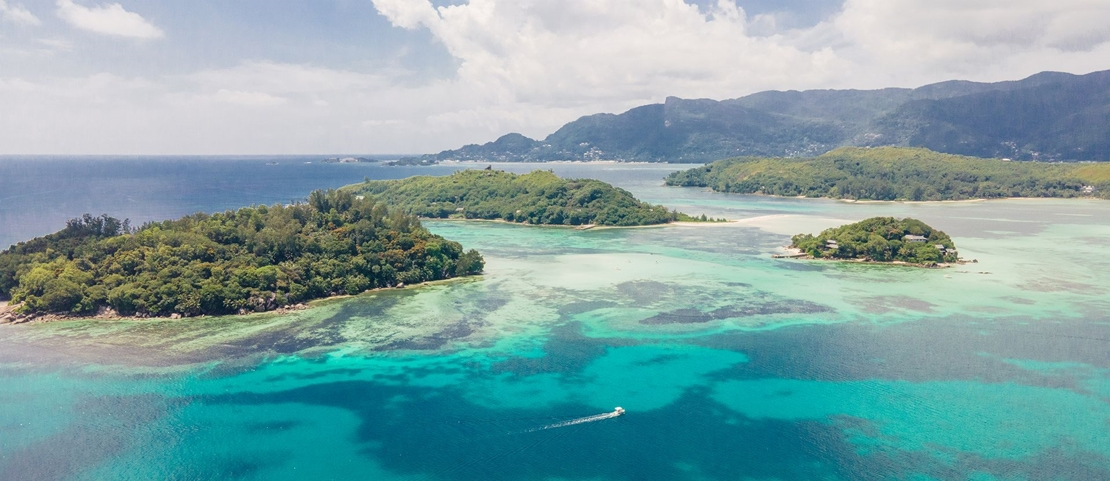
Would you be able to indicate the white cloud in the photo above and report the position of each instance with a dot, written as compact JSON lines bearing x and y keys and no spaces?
{"x":111,"y":19}
{"x":56,"y":44}
{"x":280,"y":78}
{"x":609,"y":54}
{"x":17,"y":14}
{"x":250,"y":99}
{"x":960,"y":37}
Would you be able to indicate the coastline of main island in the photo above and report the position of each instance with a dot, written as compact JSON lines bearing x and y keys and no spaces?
{"x":898,"y":174}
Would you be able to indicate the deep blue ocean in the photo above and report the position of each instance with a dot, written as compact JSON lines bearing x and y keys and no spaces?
{"x":39,"y":193}
{"x":731,"y":365}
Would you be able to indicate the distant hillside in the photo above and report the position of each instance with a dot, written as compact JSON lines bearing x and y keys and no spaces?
{"x":537,"y":198}
{"x":898,"y":173}
{"x":1049,"y":116}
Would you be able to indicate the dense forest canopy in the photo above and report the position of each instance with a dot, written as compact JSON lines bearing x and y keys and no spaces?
{"x":252,"y":259}
{"x":538,"y":197}
{"x":897,"y":173}
{"x":881,"y":239}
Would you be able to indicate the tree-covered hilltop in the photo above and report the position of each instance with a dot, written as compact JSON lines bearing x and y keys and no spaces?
{"x":538,"y":197}
{"x":880,"y":239}
{"x":897,"y":173}
{"x":252,"y":259}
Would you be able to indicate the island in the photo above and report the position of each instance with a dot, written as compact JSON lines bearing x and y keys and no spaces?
{"x":252,"y":259}
{"x":537,"y":198}
{"x":411,"y":161}
{"x":347,"y":160}
{"x":881,"y":240}
{"x":898,"y":173}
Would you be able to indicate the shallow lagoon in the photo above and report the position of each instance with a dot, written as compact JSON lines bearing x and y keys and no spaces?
{"x":732,"y":365}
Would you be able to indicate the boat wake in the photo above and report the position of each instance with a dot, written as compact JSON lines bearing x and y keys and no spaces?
{"x":588,"y":419}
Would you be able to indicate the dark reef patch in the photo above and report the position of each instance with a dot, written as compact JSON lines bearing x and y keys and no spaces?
{"x":565,"y":350}
{"x":645,"y":292}
{"x":886,"y":304}
{"x":435,"y":340}
{"x":580,"y":307}
{"x":694,"y":316}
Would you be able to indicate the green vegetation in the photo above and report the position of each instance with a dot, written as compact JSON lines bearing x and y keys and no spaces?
{"x":252,"y":259}
{"x":539,"y":197}
{"x":880,"y":239}
{"x":897,"y":173}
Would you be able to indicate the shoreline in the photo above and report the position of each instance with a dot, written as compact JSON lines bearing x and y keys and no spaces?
{"x":581,"y":226}
{"x":961,"y":201}
{"x":794,"y":253}
{"x":869,"y":201}
{"x":564,"y":162}
{"x":7,"y":315}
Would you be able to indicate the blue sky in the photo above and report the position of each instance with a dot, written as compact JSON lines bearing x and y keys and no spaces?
{"x":388,"y":76}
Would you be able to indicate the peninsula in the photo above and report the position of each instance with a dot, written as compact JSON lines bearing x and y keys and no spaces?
{"x":898,"y":173}
{"x":253,"y":259}
{"x":880,"y":239}
{"x":539,"y":198}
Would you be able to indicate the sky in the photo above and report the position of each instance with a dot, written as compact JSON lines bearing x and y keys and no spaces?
{"x":419,"y":76}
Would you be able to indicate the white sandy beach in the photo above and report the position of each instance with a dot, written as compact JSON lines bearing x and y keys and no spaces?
{"x":790,"y":224}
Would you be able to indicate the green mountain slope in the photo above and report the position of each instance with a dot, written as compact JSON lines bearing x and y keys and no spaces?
{"x":1048,"y":116}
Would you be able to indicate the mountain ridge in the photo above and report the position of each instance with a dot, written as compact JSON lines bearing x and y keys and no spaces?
{"x":1046,"y":116}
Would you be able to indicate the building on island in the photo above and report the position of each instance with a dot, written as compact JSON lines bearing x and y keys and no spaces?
{"x":914,"y":238}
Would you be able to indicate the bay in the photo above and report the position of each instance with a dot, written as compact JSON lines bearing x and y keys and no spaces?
{"x":730,"y":364}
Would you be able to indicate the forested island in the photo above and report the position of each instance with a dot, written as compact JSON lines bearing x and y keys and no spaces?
{"x":880,"y":239}
{"x":898,"y":173}
{"x":253,"y":259}
{"x":539,"y":197}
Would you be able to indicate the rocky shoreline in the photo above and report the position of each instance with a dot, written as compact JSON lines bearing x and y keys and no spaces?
{"x":8,"y":315}
{"x":794,"y":253}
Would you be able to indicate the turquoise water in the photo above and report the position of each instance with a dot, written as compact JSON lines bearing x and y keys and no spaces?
{"x":730,"y":364}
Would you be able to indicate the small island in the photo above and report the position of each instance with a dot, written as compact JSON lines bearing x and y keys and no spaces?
{"x":253,"y":259}
{"x":411,"y":161}
{"x":537,"y":198}
{"x":898,"y":173}
{"x":880,"y":240}
{"x":347,"y":160}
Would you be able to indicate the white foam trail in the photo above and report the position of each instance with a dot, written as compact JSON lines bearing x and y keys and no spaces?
{"x":572,"y":422}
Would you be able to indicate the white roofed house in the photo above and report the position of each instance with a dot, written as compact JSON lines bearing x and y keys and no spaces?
{"x":914,"y":238}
